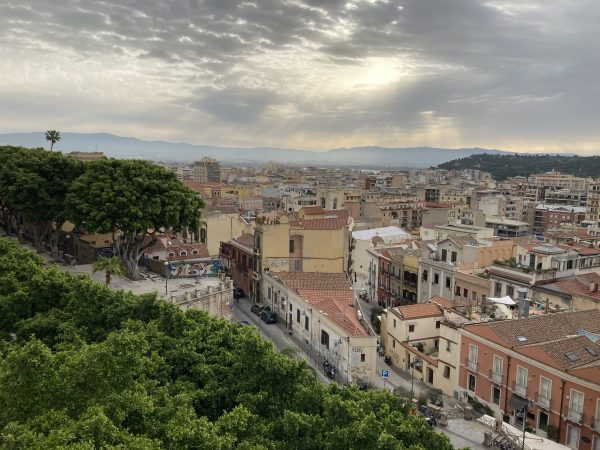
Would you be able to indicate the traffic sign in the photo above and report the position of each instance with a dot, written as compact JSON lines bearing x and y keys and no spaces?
{"x":385,"y":374}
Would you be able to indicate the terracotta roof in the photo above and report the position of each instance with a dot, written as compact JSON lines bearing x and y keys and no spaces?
{"x":462,"y":240}
{"x":313,"y":280}
{"x":321,"y":224}
{"x":200,"y":249}
{"x":419,"y":311}
{"x":542,"y":328}
{"x":312,"y":210}
{"x":246,"y":239}
{"x":576,"y":285}
{"x":572,"y":352}
{"x":337,"y":305}
{"x":443,"y":302}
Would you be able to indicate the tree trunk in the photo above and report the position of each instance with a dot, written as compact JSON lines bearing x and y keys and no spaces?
{"x":130,"y":248}
{"x":55,"y":238}
{"x":6,"y":219}
{"x":19,"y":229}
{"x":108,"y":277}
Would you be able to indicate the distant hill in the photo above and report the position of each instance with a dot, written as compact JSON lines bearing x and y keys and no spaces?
{"x":504,"y":166}
{"x":127,"y":147}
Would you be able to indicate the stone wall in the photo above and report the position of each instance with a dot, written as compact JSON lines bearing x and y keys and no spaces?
{"x":216,"y":300}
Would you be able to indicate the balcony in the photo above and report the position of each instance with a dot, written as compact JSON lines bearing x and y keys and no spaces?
{"x":519,"y":390}
{"x":574,"y":416}
{"x":471,"y":365}
{"x":542,"y":401}
{"x":495,"y":377}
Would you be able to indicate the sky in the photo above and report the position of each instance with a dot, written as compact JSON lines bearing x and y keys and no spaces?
{"x":516,"y":75}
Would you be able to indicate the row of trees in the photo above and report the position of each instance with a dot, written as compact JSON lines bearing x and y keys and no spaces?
{"x":82,"y":366}
{"x":132,"y":199}
{"x":504,"y":166}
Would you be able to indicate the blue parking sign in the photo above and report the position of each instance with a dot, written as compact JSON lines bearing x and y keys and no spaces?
{"x":384,"y":374}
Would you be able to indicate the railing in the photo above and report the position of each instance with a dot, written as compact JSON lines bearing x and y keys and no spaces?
{"x":542,"y":401}
{"x":574,"y":416}
{"x":519,"y":390}
{"x":471,"y":365}
{"x":495,"y":377}
{"x":596,"y":423}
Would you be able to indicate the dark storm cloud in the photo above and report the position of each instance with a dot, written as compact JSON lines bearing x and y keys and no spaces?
{"x":485,"y":70}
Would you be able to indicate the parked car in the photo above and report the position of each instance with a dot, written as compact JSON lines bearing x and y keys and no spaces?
{"x":257,"y":308}
{"x":268,"y":316}
{"x":238,"y":293}
{"x":106,"y":252}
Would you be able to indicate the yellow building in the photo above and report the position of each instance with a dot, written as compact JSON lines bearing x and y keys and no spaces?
{"x":221,"y":226}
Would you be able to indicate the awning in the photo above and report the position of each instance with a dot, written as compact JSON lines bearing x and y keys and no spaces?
{"x":506,"y":300}
{"x":517,"y":402}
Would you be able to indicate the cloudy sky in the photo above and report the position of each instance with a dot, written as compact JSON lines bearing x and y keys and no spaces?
{"x":312,"y":74}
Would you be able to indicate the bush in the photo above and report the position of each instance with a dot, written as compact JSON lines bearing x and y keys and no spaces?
{"x":481,"y":407}
{"x":375,"y":313}
{"x":552,"y":432}
{"x":435,"y":397}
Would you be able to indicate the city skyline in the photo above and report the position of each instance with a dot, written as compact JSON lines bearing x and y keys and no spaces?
{"x":315,"y":75}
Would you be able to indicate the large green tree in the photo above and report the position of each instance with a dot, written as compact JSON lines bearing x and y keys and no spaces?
{"x":133,"y":200}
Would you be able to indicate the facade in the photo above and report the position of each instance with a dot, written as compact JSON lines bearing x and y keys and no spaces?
{"x":238,"y":257}
{"x":319,"y":307}
{"x":206,"y":170}
{"x":507,"y":228}
{"x":216,"y":300}
{"x":551,"y":363}
{"x":553,"y":216}
{"x":221,"y":226}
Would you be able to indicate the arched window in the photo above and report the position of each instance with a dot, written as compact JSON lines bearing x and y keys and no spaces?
{"x":322,"y":202}
{"x":183,"y":253}
{"x":194,"y":252}
{"x":335,"y":203}
{"x":171,"y":255}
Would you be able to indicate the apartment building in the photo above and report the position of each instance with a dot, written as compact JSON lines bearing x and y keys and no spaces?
{"x":319,"y":307}
{"x":544,"y":370}
{"x":553,"y":216}
{"x":206,"y":170}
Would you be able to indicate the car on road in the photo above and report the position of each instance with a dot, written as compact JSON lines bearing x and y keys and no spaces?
{"x":238,"y":293}
{"x":257,"y":308}
{"x":268,"y":316}
{"x":243,"y":323}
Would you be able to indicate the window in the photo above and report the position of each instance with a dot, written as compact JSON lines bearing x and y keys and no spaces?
{"x":545,"y":388}
{"x":497,"y":367}
{"x":393,"y":343}
{"x":448,"y":346}
{"x":446,"y":371}
{"x":275,"y":297}
{"x":362,"y":357}
{"x":573,"y":436}
{"x":473,"y":353}
{"x":298,"y":265}
{"x":411,"y":328}
{"x":444,"y":254}
{"x":465,"y":293}
{"x":269,"y":293}
{"x":483,"y":297}
{"x":473,"y":297}
{"x":576,"y":401}
{"x":394,"y":323}
{"x":495,"y":396}
{"x":510,"y":291}
{"x":306,"y":323}
{"x":437,"y":323}
{"x":291,"y":246}
{"x":521,"y":378}
{"x":424,"y":275}
{"x":298,"y":315}
{"x":453,"y":257}
{"x":456,"y":290}
{"x":498,"y":289}
{"x":448,"y":282}
{"x":471,"y":385}
{"x":436,"y":278}
{"x":291,"y":307}
{"x":325,"y":339}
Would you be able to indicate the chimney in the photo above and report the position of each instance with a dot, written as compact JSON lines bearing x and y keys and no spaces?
{"x":523,"y":303}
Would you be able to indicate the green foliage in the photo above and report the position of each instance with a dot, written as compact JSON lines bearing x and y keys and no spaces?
{"x":552,"y":431}
{"x":53,"y":137}
{"x":504,"y":166}
{"x":82,"y":366}
{"x":481,"y":407}
{"x":435,"y":397}
{"x":375,"y":313}
{"x":111,"y":266}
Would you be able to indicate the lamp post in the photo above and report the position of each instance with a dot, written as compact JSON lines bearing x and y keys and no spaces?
{"x":166,"y":278}
{"x":414,"y":363}
{"x":527,"y":405}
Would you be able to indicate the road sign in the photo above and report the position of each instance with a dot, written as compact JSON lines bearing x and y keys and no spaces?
{"x":385,"y":374}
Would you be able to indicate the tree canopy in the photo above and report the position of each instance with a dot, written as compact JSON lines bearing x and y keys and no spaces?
{"x":53,"y":137}
{"x":504,"y":166}
{"x":82,"y":366}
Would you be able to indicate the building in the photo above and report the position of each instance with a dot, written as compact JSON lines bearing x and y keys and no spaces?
{"x":320,"y":309}
{"x":553,"y":216}
{"x":238,"y":258}
{"x":221,"y":224}
{"x":206,"y":170}
{"x":507,"y":228}
{"x":548,"y":364}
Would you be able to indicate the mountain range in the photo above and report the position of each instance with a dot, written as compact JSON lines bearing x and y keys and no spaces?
{"x":128,"y":147}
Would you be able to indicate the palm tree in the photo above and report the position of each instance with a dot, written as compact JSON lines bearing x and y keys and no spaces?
{"x":53,"y":136}
{"x":111,"y":266}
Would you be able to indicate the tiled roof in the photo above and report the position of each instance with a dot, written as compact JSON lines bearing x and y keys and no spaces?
{"x":337,"y":305}
{"x":443,"y":302}
{"x":419,"y":311}
{"x":200,"y":249}
{"x":336,"y":223}
{"x":313,"y":280}
{"x":462,"y":240}
{"x":313,"y":210}
{"x":246,"y":239}
{"x":576,"y":285}
{"x":572,"y":352}
{"x":542,"y":328}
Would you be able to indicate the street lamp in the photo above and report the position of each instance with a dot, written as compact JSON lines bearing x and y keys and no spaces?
{"x":527,"y":405}
{"x":166,"y":278}
{"x":415,"y":363}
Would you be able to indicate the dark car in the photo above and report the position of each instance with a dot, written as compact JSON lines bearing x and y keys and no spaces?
{"x":106,"y":252}
{"x":258,"y":308}
{"x":238,"y":293}
{"x":268,"y":316}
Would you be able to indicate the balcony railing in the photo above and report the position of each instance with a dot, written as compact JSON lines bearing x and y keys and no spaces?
{"x":574,"y":416}
{"x":542,"y":400}
{"x":519,"y":390}
{"x":471,"y":365}
{"x":495,"y":377}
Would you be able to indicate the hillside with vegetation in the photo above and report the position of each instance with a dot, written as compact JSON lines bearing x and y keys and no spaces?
{"x":504,"y":166}
{"x":83,"y":366}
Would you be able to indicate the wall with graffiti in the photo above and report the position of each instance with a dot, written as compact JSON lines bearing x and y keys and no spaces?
{"x":194,"y":269}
